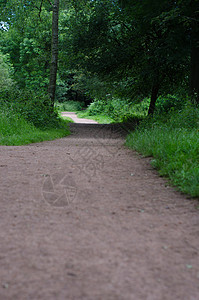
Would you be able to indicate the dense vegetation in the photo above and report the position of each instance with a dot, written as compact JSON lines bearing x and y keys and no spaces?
{"x":172,"y":140}
{"x":26,"y":116}
{"x":126,"y":60}
{"x":25,"y":107}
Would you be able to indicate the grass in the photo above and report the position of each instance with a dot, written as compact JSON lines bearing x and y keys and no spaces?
{"x":15,"y":131}
{"x":102,"y":119}
{"x":173,"y":142}
{"x":66,"y":118}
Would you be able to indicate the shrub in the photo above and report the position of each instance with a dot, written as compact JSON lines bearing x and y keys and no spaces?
{"x":35,"y":107}
{"x":15,"y":130}
{"x":6,"y":71}
{"x":120,"y":110}
{"x":71,"y":105}
{"x":166,"y":103}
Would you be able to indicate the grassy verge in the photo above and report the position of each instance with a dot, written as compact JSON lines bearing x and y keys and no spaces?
{"x":69,"y":120}
{"x":173,"y":142}
{"x":102,"y":119}
{"x":15,"y":131}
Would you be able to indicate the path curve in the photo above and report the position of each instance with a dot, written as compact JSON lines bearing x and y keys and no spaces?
{"x":74,"y":117}
{"x":85,"y":218}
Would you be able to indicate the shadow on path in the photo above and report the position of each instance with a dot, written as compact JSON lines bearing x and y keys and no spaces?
{"x":105,"y":131}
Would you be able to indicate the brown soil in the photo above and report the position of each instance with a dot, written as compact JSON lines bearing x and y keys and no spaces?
{"x":85,"y":218}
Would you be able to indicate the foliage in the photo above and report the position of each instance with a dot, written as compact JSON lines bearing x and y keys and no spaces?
{"x":72,"y":88}
{"x":15,"y":130}
{"x":6,"y":72}
{"x":70,"y":106}
{"x":173,"y":141}
{"x":67,"y":119}
{"x":128,"y":49}
{"x":100,"y":118}
{"x":117,"y":109}
{"x":170,"y":102}
{"x":33,"y":107}
{"x":137,"y":48}
{"x":28,"y":42}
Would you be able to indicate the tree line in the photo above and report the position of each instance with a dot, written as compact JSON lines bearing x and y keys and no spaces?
{"x":120,"y":48}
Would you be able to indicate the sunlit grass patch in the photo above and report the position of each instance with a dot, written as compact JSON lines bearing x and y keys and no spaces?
{"x":102,"y":119}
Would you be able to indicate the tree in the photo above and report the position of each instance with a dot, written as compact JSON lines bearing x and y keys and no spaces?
{"x":54,"y":52}
{"x":135,"y":49}
{"x":132,"y":45}
{"x":183,"y":19}
{"x":28,"y":42}
{"x":6,"y":72}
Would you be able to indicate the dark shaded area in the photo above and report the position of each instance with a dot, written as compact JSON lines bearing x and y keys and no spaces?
{"x":104,"y":131}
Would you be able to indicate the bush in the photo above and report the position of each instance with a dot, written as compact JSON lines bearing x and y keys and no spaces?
{"x":170,"y":102}
{"x":34,"y":107}
{"x":71,"y":105}
{"x":6,"y":72}
{"x":11,"y":123}
{"x":119,"y":110}
{"x":15,"y":130}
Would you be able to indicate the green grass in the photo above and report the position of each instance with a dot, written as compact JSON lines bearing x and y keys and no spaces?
{"x":102,"y":119}
{"x":173,"y":142}
{"x":66,"y":118}
{"x":15,"y":131}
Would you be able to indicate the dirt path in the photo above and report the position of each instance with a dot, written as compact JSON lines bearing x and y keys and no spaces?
{"x":85,"y":218}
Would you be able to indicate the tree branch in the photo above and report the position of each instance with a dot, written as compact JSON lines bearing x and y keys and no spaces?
{"x":40,"y":9}
{"x":50,"y":3}
{"x":115,"y":37}
{"x":189,"y":18}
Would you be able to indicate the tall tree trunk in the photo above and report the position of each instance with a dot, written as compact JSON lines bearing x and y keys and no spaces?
{"x":54,"y":52}
{"x":154,"y":97}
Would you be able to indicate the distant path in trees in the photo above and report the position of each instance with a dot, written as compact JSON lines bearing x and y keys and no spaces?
{"x":85,"y":218}
{"x":74,"y":117}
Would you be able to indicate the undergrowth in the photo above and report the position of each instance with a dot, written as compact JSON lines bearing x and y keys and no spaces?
{"x":117,"y":110}
{"x":172,"y":139}
{"x":102,"y":119}
{"x":73,"y":106}
{"x":23,"y":125}
{"x":34,"y":107}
